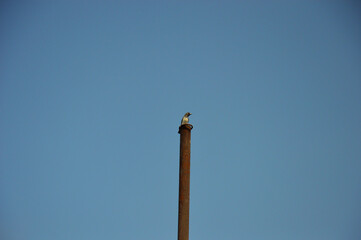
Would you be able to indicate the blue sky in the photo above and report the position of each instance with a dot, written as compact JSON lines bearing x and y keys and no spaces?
{"x":92,"y":94}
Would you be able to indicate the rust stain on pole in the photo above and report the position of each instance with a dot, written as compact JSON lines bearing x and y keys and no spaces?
{"x":184,"y":180}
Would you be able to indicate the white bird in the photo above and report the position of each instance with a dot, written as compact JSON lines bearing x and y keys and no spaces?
{"x":185,"y":118}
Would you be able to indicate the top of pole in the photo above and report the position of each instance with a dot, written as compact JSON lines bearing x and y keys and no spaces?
{"x":186,"y":126}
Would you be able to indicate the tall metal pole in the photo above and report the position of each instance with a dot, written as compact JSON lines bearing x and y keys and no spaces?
{"x":184,"y":177}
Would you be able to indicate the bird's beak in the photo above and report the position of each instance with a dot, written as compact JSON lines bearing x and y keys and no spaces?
{"x":190,"y":113}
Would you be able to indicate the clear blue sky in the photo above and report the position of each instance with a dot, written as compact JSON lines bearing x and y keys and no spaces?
{"x":92,"y":94}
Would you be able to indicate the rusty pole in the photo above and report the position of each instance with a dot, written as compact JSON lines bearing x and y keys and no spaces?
{"x":184,"y":177}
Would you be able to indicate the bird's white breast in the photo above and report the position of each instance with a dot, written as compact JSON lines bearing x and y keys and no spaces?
{"x":185,"y":120}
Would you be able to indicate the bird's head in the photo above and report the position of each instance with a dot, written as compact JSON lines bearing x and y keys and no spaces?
{"x":188,"y":114}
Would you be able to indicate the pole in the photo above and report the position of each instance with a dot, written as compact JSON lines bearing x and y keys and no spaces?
{"x":184,"y":177}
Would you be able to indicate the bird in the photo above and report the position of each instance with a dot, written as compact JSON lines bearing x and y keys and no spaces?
{"x":185,"y":118}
